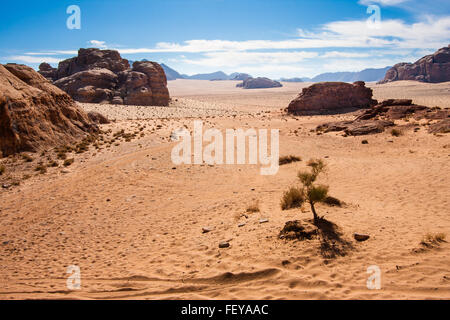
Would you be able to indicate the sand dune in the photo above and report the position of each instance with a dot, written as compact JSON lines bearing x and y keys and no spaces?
{"x":133,"y":223}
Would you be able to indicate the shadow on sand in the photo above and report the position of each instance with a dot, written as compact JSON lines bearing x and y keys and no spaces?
{"x":332,"y":243}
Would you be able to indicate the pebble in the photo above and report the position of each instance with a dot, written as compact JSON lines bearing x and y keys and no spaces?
{"x":224,"y":244}
{"x":206,"y":229}
{"x":361,"y":237}
{"x":263,"y":220}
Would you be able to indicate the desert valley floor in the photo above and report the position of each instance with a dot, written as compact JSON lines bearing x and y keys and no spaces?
{"x":132,"y":221}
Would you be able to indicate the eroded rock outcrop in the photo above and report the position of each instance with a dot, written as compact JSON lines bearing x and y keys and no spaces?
{"x":34,"y":114}
{"x":332,"y":97}
{"x":432,"y":68}
{"x":102,"y":76}
{"x":48,"y":71}
{"x":383,"y":115}
{"x":259,"y":83}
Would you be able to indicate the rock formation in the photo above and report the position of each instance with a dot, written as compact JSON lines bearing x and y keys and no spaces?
{"x":240,"y":76}
{"x":259,"y":83}
{"x":432,"y":68}
{"x":98,"y":118}
{"x":34,"y":114}
{"x":332,"y":97}
{"x":48,"y":71}
{"x":383,"y":115}
{"x":102,"y":76}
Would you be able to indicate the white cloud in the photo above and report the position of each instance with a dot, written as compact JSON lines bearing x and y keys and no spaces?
{"x":338,"y":54}
{"x":98,"y":44}
{"x":382,"y":2}
{"x":32,"y":59}
{"x":53,"y":53}
{"x":431,"y":33}
{"x":239,"y":58}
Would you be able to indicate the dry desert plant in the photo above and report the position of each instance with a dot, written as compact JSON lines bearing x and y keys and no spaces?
{"x":254,"y":207}
{"x":68,"y":162}
{"x":41,"y":168}
{"x":289,"y":159}
{"x":27,"y":157}
{"x":292,"y":198}
{"x":309,"y":192}
{"x":396,"y":132}
{"x":431,"y":240}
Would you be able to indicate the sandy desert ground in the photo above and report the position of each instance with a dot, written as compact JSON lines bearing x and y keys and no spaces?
{"x":132,"y":221}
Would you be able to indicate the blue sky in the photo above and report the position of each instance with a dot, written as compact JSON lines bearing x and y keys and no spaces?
{"x":283,"y":38}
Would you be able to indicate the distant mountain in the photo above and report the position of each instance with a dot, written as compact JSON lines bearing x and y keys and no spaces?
{"x":239,"y":76}
{"x":294,"y":79}
{"x":219,"y":75}
{"x":366,"y":75}
{"x":170,"y":73}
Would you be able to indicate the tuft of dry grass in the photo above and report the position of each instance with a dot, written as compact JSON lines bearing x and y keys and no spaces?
{"x":41,"y":168}
{"x":292,"y":198}
{"x":27,"y":157}
{"x":68,"y":162}
{"x":432,"y":240}
{"x":253,"y":208}
{"x":289,"y":159}
{"x":52,"y":164}
{"x":333,"y":202}
{"x":396,"y":132}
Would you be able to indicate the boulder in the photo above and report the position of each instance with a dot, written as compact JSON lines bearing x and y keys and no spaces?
{"x":360,"y":128}
{"x":92,"y":86}
{"x":48,"y":71}
{"x":259,"y":83}
{"x":34,"y":114}
{"x":432,"y":68}
{"x":156,"y":83}
{"x":92,"y":58}
{"x":332,"y":97}
{"x":102,"y":76}
{"x":97,"y":117}
{"x":440,"y":127}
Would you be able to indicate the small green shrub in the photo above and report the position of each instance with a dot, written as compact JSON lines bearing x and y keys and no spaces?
{"x":292,"y":198}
